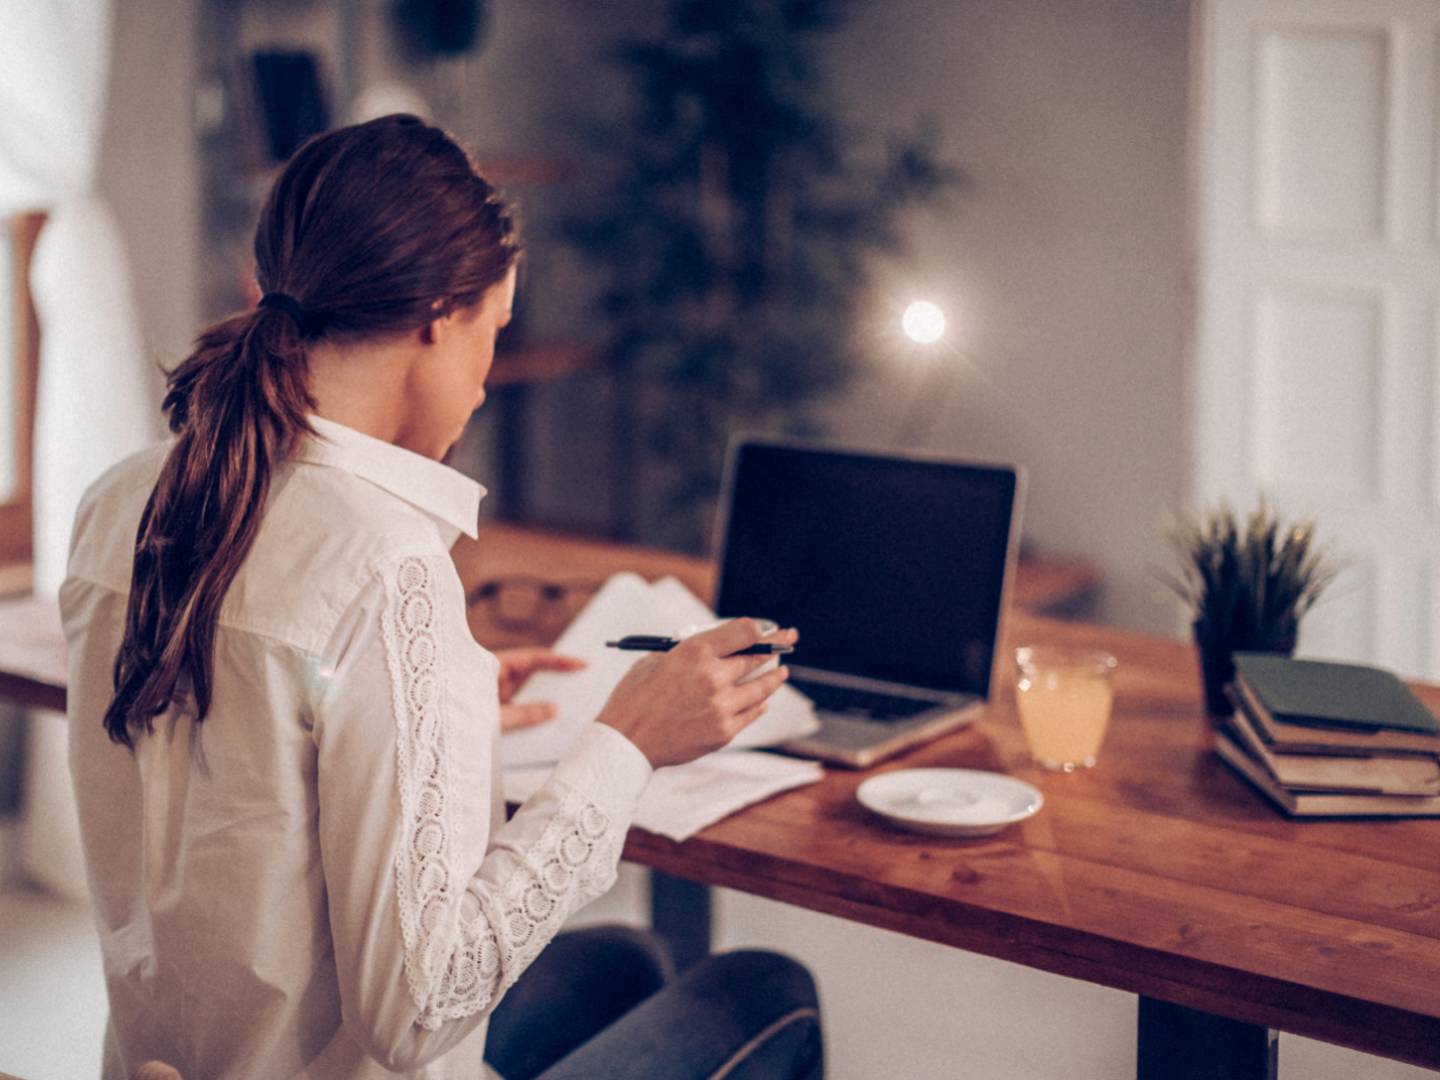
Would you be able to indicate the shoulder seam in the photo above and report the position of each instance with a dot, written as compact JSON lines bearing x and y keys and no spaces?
{"x":389,"y":551}
{"x":225,"y":624}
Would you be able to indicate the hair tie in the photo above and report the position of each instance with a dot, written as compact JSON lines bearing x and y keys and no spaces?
{"x":280,"y":301}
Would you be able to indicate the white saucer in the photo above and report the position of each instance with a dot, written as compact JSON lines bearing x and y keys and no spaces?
{"x":950,"y":802}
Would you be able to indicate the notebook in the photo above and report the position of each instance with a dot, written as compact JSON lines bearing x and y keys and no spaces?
{"x":1327,"y":693}
{"x":896,"y":569}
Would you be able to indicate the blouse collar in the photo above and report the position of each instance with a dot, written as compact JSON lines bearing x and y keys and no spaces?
{"x":449,"y":497}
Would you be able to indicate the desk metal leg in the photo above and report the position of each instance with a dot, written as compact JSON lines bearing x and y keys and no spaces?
{"x":680,"y":913}
{"x":512,"y":430}
{"x":1177,"y":1043}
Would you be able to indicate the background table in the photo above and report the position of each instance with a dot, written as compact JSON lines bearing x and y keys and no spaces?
{"x":1043,"y":584}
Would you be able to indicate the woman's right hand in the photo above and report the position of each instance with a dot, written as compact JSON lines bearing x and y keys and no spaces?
{"x":682,"y":704}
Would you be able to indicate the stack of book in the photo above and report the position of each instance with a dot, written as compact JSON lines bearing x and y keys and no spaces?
{"x":1325,"y":739}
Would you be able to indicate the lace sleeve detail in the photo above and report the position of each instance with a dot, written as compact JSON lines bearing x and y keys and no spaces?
{"x":467,"y":940}
{"x":501,"y":932}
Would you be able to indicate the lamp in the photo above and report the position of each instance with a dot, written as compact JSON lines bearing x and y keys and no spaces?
{"x":923,"y":323}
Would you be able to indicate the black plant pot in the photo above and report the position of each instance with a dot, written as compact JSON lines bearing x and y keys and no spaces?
{"x":1217,"y":660}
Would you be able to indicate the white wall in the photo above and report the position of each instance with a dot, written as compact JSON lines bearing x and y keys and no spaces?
{"x":1063,"y":268}
{"x":148,"y":169}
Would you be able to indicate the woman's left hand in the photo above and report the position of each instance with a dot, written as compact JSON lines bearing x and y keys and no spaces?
{"x":517,"y":665}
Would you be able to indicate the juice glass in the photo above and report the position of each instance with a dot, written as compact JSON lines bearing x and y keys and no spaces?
{"x":1064,"y":696}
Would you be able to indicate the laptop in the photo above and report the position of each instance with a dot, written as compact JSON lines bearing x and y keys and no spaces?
{"x":896,"y":569}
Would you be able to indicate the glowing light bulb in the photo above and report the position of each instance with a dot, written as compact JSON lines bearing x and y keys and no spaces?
{"x":923,"y":322}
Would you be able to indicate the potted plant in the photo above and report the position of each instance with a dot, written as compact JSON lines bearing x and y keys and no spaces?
{"x":1247,"y":585}
{"x":734,"y":226}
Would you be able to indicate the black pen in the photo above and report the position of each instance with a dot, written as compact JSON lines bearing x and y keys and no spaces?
{"x":655,"y":643}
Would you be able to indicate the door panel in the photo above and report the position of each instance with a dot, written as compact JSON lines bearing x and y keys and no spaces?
{"x":1320,"y":143}
{"x":1318,"y":261}
{"x":1317,"y":436}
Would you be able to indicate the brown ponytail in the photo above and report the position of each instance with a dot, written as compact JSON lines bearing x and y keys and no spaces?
{"x":366,"y":229}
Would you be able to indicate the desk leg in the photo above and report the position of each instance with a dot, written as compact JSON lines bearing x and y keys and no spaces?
{"x":1177,"y":1043}
{"x":680,"y":913}
{"x":512,"y":429}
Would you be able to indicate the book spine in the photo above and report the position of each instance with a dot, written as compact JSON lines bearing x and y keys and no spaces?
{"x":1321,"y":804}
{"x":1376,"y":774}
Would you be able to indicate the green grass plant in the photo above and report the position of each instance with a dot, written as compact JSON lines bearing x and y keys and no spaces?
{"x":1247,"y":582}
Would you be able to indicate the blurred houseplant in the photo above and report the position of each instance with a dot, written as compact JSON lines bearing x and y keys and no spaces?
{"x":1247,"y":584}
{"x":732,"y":238}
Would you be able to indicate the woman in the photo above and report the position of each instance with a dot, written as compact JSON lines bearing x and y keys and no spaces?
{"x":283,"y":734}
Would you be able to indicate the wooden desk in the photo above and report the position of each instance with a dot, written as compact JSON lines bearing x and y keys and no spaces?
{"x":1158,"y":872}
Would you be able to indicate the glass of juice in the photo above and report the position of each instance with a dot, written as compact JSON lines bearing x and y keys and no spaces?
{"x":1064,"y":697}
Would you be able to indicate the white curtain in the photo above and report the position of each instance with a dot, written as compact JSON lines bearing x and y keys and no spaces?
{"x":92,"y":402}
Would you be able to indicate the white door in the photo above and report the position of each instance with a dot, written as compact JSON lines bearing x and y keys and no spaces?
{"x":1317,"y":322}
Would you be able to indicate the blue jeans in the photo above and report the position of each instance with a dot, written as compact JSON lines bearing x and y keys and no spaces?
{"x":600,"y":1004}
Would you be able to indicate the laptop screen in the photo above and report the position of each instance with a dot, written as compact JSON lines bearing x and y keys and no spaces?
{"x":891,"y":568}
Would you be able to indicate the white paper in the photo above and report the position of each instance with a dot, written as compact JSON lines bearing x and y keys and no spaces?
{"x":683,"y":799}
{"x":627,"y":604}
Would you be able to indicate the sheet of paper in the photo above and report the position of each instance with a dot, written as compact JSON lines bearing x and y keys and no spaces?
{"x":683,"y":799}
{"x":627,"y":604}
{"x":620,"y":605}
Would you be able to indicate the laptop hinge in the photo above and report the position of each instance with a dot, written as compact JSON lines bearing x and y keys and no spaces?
{"x":877,"y":686}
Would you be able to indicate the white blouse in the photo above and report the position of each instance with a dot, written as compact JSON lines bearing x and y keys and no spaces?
{"x":318,"y":880}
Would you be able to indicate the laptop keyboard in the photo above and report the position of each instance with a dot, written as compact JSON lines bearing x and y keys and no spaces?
{"x":868,"y":703}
